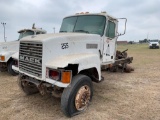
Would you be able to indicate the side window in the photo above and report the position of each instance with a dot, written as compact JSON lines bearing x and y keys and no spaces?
{"x":110,"y":29}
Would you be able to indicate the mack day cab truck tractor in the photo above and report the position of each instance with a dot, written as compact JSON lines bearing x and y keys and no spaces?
{"x":7,"y":49}
{"x":65,"y":64}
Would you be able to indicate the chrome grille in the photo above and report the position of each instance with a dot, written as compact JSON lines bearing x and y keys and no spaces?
{"x":30,"y":58}
{"x":154,"y":45}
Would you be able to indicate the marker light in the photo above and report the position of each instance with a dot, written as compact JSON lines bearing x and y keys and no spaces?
{"x":2,"y":58}
{"x":66,"y":77}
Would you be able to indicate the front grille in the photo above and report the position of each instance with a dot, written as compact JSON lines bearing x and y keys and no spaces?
{"x":154,"y":45}
{"x":30,"y":58}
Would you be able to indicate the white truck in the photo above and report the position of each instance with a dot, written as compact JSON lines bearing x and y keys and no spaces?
{"x":154,"y":44}
{"x":7,"y":49}
{"x":65,"y":64}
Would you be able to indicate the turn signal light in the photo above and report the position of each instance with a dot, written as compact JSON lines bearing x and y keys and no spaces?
{"x":66,"y":77}
{"x":2,"y":58}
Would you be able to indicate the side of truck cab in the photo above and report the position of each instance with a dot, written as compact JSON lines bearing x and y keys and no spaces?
{"x":65,"y":64}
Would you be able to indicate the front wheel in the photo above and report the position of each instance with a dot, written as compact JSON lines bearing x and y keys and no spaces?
{"x":76,"y":98}
{"x":27,"y":87}
{"x":10,"y":70}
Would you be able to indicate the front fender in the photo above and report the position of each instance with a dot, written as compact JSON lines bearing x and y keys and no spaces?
{"x":85,"y":61}
{"x":15,"y":56}
{"x":7,"y":55}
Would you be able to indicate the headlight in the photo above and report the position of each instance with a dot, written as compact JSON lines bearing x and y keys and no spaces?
{"x":53,"y":74}
{"x":2,"y":58}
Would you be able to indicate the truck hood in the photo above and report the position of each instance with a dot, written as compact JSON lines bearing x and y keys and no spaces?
{"x":9,"y":46}
{"x":56,"y":46}
{"x":154,"y":43}
{"x":46,"y":37}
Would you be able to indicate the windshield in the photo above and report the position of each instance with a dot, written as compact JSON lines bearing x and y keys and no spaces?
{"x":93,"y":24}
{"x":25,"y":33}
{"x":153,"y":40}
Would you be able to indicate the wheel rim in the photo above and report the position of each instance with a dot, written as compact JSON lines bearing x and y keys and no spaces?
{"x":82,"y":98}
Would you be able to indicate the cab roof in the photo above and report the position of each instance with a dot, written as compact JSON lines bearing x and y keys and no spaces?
{"x":87,"y":13}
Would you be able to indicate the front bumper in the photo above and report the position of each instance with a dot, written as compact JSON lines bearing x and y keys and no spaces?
{"x":154,"y":46}
{"x":15,"y":68}
{"x":47,"y":80}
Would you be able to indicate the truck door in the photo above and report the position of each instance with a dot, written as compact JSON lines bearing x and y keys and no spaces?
{"x":109,"y":46}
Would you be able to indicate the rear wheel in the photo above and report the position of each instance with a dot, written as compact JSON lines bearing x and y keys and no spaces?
{"x":27,"y":87}
{"x":76,"y":98}
{"x":10,"y":70}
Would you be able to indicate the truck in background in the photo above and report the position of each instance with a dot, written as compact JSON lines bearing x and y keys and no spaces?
{"x":7,"y":49}
{"x":154,"y":44}
{"x":65,"y":64}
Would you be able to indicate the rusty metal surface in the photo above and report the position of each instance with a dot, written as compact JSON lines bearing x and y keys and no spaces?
{"x":121,"y":62}
{"x":82,"y":98}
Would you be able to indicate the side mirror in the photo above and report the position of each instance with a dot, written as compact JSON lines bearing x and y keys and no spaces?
{"x":125,"y":23}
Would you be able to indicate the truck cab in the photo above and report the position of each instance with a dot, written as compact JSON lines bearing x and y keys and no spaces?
{"x":97,"y":24}
{"x":7,"y":49}
{"x":28,"y":32}
{"x":66,"y":63}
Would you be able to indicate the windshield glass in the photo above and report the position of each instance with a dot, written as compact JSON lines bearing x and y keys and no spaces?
{"x":153,"y":40}
{"x":25,"y":33}
{"x":93,"y":24}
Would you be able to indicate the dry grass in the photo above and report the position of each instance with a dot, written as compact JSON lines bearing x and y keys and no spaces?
{"x":121,"y":96}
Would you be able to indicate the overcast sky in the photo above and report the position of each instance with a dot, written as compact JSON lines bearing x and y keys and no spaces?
{"x":143,"y":15}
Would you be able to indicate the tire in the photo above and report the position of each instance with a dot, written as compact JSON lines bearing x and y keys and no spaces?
{"x":71,"y":95}
{"x":10,"y":70}
{"x":27,"y":87}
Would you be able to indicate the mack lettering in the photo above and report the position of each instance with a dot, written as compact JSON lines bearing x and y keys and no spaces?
{"x":30,"y":59}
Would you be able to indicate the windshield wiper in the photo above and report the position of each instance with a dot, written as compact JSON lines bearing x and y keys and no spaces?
{"x":62,"y":31}
{"x":81,"y":31}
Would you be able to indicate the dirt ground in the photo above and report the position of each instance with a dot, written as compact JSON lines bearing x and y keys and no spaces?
{"x":121,"y":96}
